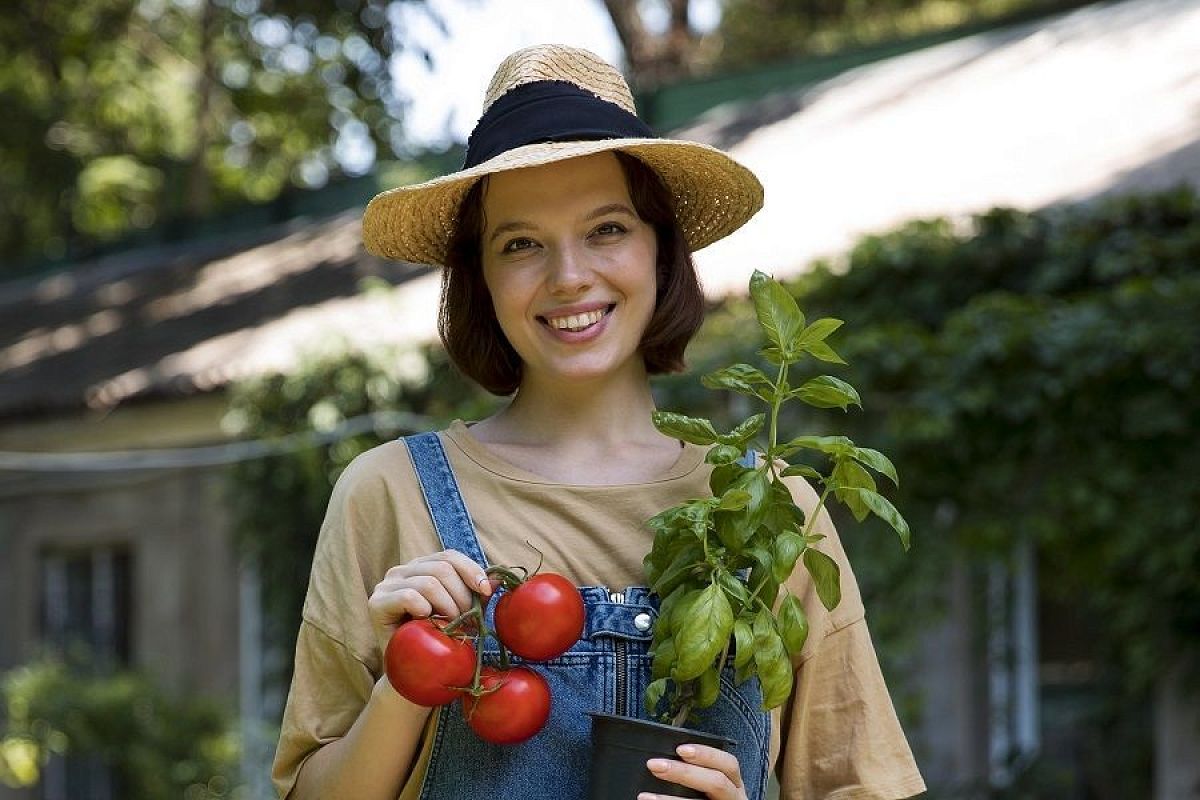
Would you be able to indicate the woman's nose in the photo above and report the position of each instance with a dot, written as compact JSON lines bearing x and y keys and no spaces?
{"x":569,"y":272}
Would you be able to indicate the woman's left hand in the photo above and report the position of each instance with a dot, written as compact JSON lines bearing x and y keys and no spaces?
{"x":705,"y":769}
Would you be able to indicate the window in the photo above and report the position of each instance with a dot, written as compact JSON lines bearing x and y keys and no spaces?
{"x":86,"y":603}
{"x":86,"y":616}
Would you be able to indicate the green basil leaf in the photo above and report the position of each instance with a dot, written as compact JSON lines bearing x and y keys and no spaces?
{"x":777,"y":312}
{"x":793,"y":625}
{"x":746,"y":431}
{"x":771,"y":659}
{"x":826,"y":575}
{"x":744,"y":673}
{"x":823,"y":352}
{"x":654,"y":695}
{"x":688,"y":558}
{"x":689,"y":429}
{"x":881,"y":507}
{"x":708,"y":687}
{"x":723,"y":454}
{"x":743,"y":379}
{"x":723,"y":477}
{"x":734,"y":588}
{"x":664,"y":628}
{"x":849,"y":475}
{"x":734,"y":500}
{"x":878,"y":462}
{"x":803,"y":470}
{"x":818,"y":331}
{"x":702,"y":632}
{"x":826,"y":391}
{"x":743,"y":643}
{"x":788,"y":547}
{"x":663,"y":662}
{"x":836,"y":446}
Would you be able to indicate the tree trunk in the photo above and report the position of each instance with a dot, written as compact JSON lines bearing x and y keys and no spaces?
{"x":654,"y":59}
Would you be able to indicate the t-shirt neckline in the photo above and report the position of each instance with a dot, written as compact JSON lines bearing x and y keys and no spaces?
{"x":459,"y":434}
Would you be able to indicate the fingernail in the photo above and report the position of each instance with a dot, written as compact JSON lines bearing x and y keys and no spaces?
{"x":658,"y":765}
{"x":647,"y":796}
{"x":686,"y":750}
{"x":482,"y":580}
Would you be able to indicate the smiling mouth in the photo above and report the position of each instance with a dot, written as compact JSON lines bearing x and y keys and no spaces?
{"x":577,"y":322}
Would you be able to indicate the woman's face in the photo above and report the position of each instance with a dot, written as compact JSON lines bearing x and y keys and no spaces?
{"x":570,"y":267}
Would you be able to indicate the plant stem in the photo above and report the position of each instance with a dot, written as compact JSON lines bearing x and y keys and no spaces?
{"x":776,"y":404}
{"x":477,"y":607}
{"x":808,"y":523}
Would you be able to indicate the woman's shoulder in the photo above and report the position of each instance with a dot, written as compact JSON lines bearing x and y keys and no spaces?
{"x":379,"y":466}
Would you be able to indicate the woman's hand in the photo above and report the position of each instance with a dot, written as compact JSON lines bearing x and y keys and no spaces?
{"x":440,"y":585}
{"x":705,"y":769}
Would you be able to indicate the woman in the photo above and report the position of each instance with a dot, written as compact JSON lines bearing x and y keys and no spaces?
{"x":567,"y":282}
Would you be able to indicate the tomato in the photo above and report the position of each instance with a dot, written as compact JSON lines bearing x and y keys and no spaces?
{"x":540,"y":619}
{"x":427,"y":666}
{"x":514,"y":706}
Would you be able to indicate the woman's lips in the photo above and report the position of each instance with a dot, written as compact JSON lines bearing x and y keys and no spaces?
{"x":577,"y":326}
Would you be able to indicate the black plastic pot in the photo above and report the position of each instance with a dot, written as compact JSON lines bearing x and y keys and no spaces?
{"x":622,"y":745}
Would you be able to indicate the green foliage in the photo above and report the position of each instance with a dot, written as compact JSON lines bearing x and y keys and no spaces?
{"x":759,"y":31}
{"x":120,"y":114}
{"x":159,"y":747}
{"x":751,"y":525}
{"x":278,"y":502}
{"x":1032,"y":375}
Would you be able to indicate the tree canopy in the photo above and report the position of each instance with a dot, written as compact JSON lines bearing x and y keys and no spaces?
{"x":121,"y":115}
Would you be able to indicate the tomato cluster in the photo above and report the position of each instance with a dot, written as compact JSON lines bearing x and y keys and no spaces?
{"x":435,"y":662}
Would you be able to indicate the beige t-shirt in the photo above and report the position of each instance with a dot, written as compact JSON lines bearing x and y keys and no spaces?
{"x":838,"y":737}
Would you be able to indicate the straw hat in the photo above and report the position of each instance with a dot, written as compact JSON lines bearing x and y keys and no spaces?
{"x":549,"y":103}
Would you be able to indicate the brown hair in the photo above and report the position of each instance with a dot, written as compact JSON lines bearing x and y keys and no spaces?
{"x":467,"y":320}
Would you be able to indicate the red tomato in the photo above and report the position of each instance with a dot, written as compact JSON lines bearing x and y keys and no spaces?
{"x":515,"y":705}
{"x":540,"y":619}
{"x":427,"y":666}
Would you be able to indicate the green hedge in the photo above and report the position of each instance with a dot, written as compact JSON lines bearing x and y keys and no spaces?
{"x":157,"y":747}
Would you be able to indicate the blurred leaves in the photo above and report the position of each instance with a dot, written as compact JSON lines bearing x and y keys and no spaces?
{"x":278,"y":503}
{"x":1039,"y":375}
{"x":121,"y":114}
{"x":158,"y":746}
{"x":761,"y":31}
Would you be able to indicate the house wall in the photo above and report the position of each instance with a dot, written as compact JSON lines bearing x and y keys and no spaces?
{"x":184,"y":618}
{"x":175,"y":524}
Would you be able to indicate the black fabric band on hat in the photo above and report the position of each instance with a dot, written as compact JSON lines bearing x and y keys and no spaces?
{"x":548,"y":111}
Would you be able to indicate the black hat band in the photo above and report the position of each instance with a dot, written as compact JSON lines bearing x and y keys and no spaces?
{"x":548,"y":111}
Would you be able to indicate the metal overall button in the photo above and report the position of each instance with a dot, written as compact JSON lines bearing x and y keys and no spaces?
{"x":642,"y":622}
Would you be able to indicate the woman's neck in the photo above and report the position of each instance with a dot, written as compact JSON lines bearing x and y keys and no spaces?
{"x":584,"y":433}
{"x":600,"y":413}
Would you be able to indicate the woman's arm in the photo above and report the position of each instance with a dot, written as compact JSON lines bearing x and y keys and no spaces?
{"x":374,"y":757}
{"x":376,"y":754}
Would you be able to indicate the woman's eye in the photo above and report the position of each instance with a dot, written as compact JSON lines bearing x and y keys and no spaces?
{"x":513,"y":245}
{"x":609,"y":228}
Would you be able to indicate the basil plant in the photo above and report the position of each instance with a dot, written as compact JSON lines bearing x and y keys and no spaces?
{"x":720,"y":562}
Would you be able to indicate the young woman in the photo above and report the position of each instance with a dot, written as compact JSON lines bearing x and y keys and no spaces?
{"x":568,"y":281}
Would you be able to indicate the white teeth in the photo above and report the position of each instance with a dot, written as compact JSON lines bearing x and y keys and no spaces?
{"x":576,"y":322}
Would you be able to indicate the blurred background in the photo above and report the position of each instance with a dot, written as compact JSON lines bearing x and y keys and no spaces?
{"x":998,"y":196}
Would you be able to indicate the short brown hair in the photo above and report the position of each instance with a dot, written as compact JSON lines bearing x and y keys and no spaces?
{"x":467,"y":320}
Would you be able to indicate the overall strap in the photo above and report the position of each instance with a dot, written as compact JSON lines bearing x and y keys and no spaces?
{"x":442,"y":497}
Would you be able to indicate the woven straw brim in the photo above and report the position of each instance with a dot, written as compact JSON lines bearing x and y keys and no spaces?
{"x":713,"y":195}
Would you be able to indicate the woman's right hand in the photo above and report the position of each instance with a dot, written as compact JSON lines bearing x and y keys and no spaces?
{"x":441,"y":584}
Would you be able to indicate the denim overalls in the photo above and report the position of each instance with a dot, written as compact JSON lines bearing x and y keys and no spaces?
{"x":606,"y":670}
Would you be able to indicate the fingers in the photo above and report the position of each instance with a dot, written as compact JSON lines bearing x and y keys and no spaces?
{"x":706,"y":769}
{"x":442,"y":584}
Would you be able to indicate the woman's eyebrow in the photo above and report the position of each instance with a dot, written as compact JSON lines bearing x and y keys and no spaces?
{"x":611,"y":208}
{"x":521,"y":225}
{"x":509,"y":227}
